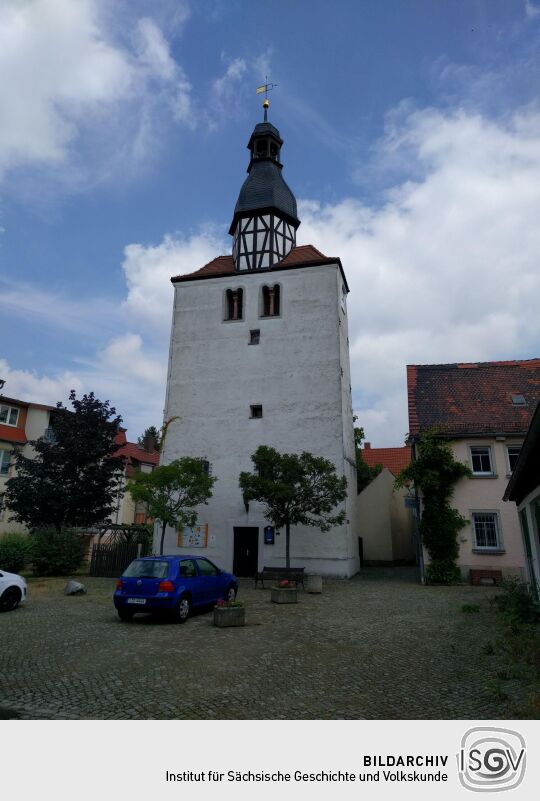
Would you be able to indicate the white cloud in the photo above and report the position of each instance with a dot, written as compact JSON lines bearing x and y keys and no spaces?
{"x":531,"y":10}
{"x":75,"y":96}
{"x":149,"y":268}
{"x":28,"y":385}
{"x":446,"y":269}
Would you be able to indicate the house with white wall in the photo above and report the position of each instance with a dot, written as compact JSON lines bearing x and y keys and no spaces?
{"x":387,"y":523}
{"x":483,"y":409}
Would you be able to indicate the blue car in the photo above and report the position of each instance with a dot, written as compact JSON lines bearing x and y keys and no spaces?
{"x":171,"y":584}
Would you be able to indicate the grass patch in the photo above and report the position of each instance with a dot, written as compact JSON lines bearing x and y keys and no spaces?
{"x":470,"y":609}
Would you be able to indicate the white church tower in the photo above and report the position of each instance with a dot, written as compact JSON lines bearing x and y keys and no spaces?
{"x":259,"y":356}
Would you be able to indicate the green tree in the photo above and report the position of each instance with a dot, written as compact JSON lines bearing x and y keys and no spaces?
{"x":151,"y":431}
{"x":172,"y":490}
{"x":434,"y":473}
{"x":294,"y":489}
{"x":72,"y":478}
{"x":364,"y":473}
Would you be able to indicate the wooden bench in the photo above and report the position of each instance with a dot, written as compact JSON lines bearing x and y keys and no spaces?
{"x":295,"y":574}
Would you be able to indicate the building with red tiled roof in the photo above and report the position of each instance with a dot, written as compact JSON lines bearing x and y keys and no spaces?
{"x":20,"y":421}
{"x":136,"y":457}
{"x":395,"y":459}
{"x":387,"y":524}
{"x":484,"y":409}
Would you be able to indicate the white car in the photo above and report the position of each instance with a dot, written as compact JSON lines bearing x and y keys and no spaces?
{"x":12,"y":591}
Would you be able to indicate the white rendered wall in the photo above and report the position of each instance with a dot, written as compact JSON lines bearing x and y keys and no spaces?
{"x":295,"y":373}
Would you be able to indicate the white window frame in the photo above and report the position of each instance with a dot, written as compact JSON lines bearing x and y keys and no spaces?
{"x":487,"y":548}
{"x":492,"y":471}
{"x":5,"y":458}
{"x":9,"y":410}
{"x":511,"y":445}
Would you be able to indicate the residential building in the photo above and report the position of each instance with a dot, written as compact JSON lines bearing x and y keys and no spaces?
{"x":20,"y":422}
{"x":484,"y":410}
{"x":136,"y":457}
{"x":259,"y":356}
{"x":385,"y":513}
{"x":524,"y":490}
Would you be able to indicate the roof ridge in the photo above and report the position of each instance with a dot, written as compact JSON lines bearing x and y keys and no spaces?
{"x":533,"y":362}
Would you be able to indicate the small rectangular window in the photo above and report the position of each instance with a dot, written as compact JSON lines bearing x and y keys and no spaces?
{"x":518,"y":400}
{"x":256,"y":411}
{"x":481,"y":461}
{"x":513,"y":455}
{"x":254,"y":337}
{"x":486,"y":531}
{"x":5,"y":458}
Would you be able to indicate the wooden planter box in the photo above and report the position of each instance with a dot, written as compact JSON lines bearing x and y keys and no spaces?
{"x":229,"y":616}
{"x":284,"y":595}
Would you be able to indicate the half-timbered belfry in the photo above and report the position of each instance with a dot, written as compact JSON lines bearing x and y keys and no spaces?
{"x":265,"y":220}
{"x":259,"y":356}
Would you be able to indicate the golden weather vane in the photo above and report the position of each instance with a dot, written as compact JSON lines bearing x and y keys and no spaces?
{"x":266,"y":87}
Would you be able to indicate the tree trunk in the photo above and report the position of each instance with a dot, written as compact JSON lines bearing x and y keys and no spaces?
{"x":287,"y":544}
{"x":163,"y":527}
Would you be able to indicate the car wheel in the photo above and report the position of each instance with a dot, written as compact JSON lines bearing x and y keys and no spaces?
{"x":126,"y":615}
{"x":10,"y":599}
{"x":183,"y":609}
{"x":230,"y":593}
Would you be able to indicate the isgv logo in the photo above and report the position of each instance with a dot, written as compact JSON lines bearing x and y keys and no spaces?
{"x":491,"y":759}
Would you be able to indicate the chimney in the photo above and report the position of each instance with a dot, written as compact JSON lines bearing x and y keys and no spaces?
{"x":367,"y":446}
{"x":149,"y":443}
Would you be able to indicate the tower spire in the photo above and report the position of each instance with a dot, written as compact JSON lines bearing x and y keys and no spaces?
{"x":266,"y":87}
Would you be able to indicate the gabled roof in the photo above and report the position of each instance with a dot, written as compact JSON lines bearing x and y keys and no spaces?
{"x":300,"y":256}
{"x":395,"y":459}
{"x":474,"y":398}
{"x":133,"y":453}
{"x":16,"y":402}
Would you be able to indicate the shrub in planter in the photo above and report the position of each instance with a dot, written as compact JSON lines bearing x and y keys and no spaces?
{"x":56,"y":553}
{"x":14,"y":552}
{"x":229,"y":613}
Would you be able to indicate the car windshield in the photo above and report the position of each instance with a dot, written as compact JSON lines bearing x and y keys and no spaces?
{"x":143,"y":569}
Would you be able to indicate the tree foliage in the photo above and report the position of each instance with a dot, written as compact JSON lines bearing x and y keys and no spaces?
{"x":171,"y":492}
{"x":72,"y":478}
{"x":364,"y":472}
{"x":434,"y":473}
{"x":56,"y":553}
{"x":295,"y":490}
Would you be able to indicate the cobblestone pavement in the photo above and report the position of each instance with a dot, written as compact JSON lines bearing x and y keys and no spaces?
{"x":377,"y":646}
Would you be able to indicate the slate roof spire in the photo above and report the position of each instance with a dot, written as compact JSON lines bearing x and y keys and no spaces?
{"x":265,"y":216}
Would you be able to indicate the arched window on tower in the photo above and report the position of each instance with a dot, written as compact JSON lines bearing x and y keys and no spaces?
{"x":234,"y":304}
{"x":271,"y":301}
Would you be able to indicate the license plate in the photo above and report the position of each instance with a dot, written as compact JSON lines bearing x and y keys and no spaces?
{"x":136,"y":600}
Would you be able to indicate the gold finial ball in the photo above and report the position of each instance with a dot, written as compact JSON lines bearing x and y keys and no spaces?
{"x":266,"y":104}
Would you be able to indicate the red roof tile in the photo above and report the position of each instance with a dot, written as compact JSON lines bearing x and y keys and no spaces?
{"x":134,"y":453}
{"x":476,"y":398}
{"x":395,"y":459}
{"x":224,"y":265}
{"x":11,"y":434}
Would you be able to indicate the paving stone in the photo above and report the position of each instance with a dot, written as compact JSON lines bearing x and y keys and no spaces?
{"x":377,"y":646}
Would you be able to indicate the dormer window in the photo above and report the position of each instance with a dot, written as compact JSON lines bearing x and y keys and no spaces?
{"x":234,"y":304}
{"x":271,"y":301}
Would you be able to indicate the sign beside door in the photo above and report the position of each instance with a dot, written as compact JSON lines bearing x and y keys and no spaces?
{"x":193,"y":536}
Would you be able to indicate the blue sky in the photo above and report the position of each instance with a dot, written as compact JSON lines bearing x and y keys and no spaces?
{"x":412,"y":142}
